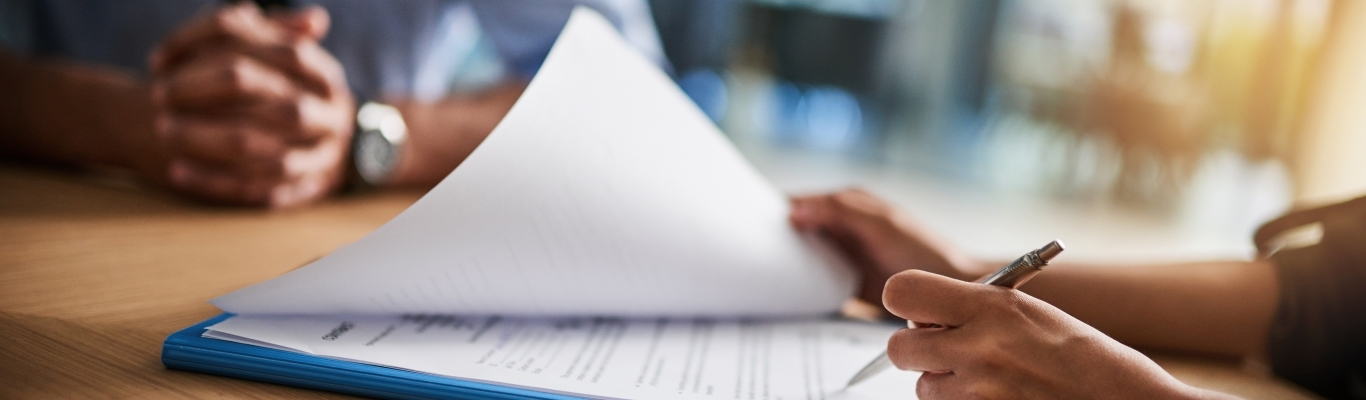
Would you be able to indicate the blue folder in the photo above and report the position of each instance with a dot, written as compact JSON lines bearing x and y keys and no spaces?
{"x":189,"y":350}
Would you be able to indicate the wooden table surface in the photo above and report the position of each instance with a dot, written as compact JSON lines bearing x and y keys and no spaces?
{"x":94,"y":275}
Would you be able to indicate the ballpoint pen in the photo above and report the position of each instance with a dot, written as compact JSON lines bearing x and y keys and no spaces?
{"x":1012,"y":276}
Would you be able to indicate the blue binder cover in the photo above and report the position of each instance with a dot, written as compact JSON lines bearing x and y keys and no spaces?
{"x":189,"y":350}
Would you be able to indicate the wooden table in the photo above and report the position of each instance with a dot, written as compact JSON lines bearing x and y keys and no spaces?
{"x":94,"y":275}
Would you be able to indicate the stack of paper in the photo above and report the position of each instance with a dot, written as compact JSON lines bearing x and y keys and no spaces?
{"x":603,"y":192}
{"x":601,"y":357}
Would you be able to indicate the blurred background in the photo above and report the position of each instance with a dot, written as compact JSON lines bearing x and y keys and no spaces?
{"x":1146,"y":128}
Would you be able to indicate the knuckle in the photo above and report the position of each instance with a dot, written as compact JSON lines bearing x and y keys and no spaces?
{"x":898,"y":349}
{"x":1012,"y":302}
{"x":905,"y":282}
{"x":846,"y":198}
{"x":236,"y":74}
{"x":265,"y":168}
{"x":273,"y":168}
{"x":333,"y":72}
{"x":986,"y":355}
{"x":860,"y":202}
{"x":977,"y":392}
{"x":924,"y":388}
{"x":930,"y":386}
{"x":897,"y":292}
{"x":224,"y":20}
{"x":295,"y":53}
{"x":259,"y":146}
{"x":892,"y":292}
{"x":231,"y":21}
{"x":995,"y":357}
{"x":292,"y":117}
{"x":993,"y":391}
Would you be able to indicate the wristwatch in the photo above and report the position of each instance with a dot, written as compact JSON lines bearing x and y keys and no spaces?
{"x":377,"y":144}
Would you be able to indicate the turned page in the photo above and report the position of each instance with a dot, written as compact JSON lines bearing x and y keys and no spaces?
{"x":604,"y":191}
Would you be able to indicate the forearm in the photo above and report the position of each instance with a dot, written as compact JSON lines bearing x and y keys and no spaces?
{"x":71,"y":114}
{"x":1214,"y":307}
{"x":442,"y":134}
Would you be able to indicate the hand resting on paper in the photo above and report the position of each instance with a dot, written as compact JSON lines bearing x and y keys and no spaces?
{"x":995,"y":343}
{"x":877,"y":239}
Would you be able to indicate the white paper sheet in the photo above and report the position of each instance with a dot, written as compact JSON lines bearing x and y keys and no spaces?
{"x":604,"y":191}
{"x":600,"y":357}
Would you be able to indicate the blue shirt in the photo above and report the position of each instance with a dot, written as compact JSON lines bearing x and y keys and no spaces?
{"x":425,"y":49}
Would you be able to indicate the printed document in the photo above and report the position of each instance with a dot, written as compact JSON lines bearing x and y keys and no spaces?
{"x":604,"y":191}
{"x":658,"y":358}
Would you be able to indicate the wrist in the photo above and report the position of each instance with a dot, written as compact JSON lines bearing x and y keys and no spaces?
{"x":122,"y":118}
{"x":441,"y":134}
{"x":115,"y":129}
{"x":435,"y":143}
{"x":134,"y":143}
{"x":379,"y":145}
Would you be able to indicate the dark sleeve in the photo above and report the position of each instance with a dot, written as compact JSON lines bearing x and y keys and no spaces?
{"x":1318,"y":337}
{"x":119,"y":33}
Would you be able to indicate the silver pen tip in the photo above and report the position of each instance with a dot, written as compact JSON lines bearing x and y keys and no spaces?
{"x":879,"y":364}
{"x":1050,"y":250}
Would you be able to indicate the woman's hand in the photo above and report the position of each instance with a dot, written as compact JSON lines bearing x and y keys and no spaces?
{"x":993,"y":342}
{"x":877,"y":239}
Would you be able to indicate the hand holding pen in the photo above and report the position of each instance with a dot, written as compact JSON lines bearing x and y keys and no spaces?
{"x":996,"y":342}
{"x":979,"y":341}
{"x":1012,"y":276}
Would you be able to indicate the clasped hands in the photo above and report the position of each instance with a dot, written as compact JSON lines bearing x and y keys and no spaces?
{"x":973,"y":340}
{"x":250,"y":109}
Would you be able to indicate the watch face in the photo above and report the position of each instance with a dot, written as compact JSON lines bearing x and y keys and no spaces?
{"x":375,"y":157}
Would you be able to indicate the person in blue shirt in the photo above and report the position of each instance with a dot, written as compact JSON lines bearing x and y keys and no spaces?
{"x":233,"y":104}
